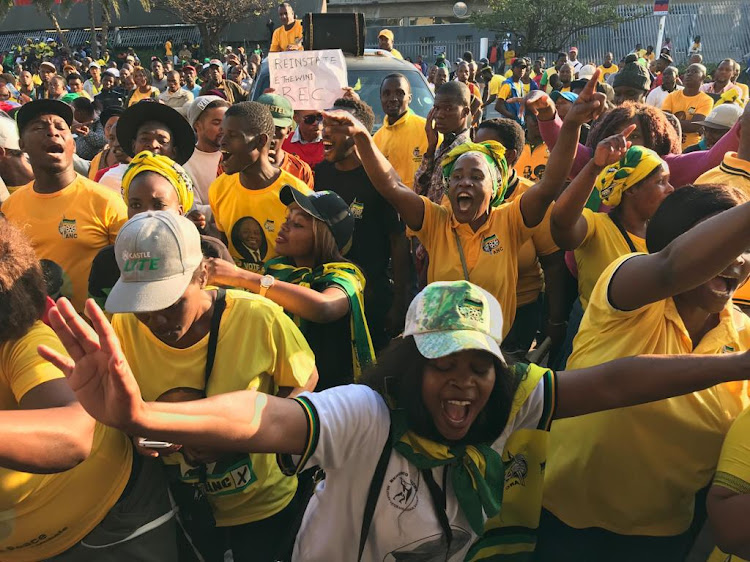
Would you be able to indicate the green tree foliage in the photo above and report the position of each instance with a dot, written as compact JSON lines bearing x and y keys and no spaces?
{"x":547,"y":25}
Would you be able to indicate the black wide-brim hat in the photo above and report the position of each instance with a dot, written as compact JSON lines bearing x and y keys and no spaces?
{"x":183,"y":136}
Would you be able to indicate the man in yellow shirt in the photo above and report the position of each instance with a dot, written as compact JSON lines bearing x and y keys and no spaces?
{"x":492,"y":83}
{"x":512,"y":88}
{"x":245,"y":198}
{"x":402,"y":138}
{"x":288,"y":36}
{"x":385,"y":43}
{"x":608,"y":67}
{"x":690,"y":105}
{"x":67,"y":217}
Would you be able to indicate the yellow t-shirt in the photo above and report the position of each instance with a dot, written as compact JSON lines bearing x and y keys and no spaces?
{"x":505,"y":91}
{"x":701,"y":104}
{"x":532,"y":162}
{"x":42,"y":515}
{"x":67,"y":229}
{"x":530,"y":276}
{"x":733,"y":471}
{"x":509,"y":55}
{"x":283,"y":39}
{"x":745,"y":90}
{"x":495,"y":82}
{"x":545,"y":81}
{"x":137,"y":95}
{"x":260,"y":348}
{"x":403,"y":144}
{"x":168,"y":48}
{"x":603,"y":244}
{"x":491,"y":253}
{"x":635,"y":471}
{"x":735,"y":172}
{"x":614,"y":69}
{"x":251,"y":219}
{"x":396,"y":53}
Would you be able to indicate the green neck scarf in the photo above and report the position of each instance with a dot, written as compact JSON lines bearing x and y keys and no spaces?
{"x":348,"y":277}
{"x":476,"y":471}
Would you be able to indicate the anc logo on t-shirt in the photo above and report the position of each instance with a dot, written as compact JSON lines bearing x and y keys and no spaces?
{"x":67,"y":228}
{"x":491,"y":245}
{"x":416,"y":155}
{"x":357,"y":209}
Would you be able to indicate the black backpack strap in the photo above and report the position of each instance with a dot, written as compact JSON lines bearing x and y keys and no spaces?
{"x":213,"y":337}
{"x":372,"y":495}
{"x":624,"y":232}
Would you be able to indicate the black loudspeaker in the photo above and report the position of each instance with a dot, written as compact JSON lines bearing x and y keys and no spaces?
{"x":335,"y":31}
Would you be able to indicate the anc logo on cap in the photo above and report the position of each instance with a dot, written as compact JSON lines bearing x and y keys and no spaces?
{"x":452,"y":308}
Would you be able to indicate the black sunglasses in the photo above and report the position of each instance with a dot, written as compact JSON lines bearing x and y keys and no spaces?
{"x":312,"y":119}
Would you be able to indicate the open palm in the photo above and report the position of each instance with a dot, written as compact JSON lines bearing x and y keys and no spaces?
{"x":96,"y":370}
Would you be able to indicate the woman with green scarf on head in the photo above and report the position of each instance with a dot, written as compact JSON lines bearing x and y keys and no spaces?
{"x":420,"y":455}
{"x":314,"y":284}
{"x":632,"y":181}
{"x":470,"y":235}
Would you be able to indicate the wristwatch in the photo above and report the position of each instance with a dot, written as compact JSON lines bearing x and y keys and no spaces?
{"x":266,"y":282}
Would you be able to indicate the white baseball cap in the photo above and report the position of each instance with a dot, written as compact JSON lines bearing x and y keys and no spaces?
{"x":94,"y":64}
{"x":157,"y":253}
{"x":586,"y":72}
{"x":8,"y":133}
{"x":723,"y":116}
{"x":198,"y":106}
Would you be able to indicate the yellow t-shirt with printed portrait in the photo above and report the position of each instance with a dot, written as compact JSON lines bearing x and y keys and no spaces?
{"x":733,"y":471}
{"x":532,"y":162}
{"x":67,"y":229}
{"x":42,"y":515}
{"x":636,"y":470}
{"x":259,"y":348}
{"x":602,"y":245}
{"x":614,"y":69}
{"x":282,"y":39}
{"x":490,"y":253}
{"x":677,"y":102}
{"x":251,"y":218}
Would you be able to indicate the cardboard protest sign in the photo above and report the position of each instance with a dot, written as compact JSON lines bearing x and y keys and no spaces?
{"x":309,"y":79}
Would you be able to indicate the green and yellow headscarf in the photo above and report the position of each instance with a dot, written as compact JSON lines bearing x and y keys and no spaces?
{"x":170,"y":170}
{"x":632,"y":168}
{"x":494,"y":154}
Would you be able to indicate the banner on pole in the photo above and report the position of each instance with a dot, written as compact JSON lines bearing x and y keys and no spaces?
{"x":661,"y":7}
{"x":309,"y":79}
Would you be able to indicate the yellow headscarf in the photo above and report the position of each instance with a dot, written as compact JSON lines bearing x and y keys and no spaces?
{"x":170,"y":170}
{"x":494,"y":153}
{"x":632,"y":168}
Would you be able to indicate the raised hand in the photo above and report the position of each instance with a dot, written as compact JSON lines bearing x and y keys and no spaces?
{"x":538,"y":103}
{"x":590,"y":103}
{"x":340,"y":122}
{"x":431,"y":131}
{"x":613,"y":148}
{"x":96,"y":370}
{"x":221,"y":272}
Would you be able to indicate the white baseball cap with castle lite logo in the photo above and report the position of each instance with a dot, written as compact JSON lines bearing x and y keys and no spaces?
{"x":157,"y":253}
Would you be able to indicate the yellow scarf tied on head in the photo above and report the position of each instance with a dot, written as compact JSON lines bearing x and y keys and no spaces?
{"x":167,"y":168}
{"x":494,"y":153}
{"x":631,"y":169}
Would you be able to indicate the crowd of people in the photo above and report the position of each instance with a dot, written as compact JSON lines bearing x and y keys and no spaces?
{"x":242,"y":330}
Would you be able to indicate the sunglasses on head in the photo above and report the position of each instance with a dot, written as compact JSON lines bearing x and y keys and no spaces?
{"x":312,"y":119}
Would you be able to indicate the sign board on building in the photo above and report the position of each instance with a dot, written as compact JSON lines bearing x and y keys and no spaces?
{"x":439,"y":50}
{"x":309,"y":79}
{"x":661,"y":7}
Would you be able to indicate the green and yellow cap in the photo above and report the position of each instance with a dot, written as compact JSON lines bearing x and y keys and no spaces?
{"x":451,"y":316}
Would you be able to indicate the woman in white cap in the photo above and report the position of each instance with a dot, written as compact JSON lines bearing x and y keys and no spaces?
{"x":416,"y":458}
{"x":184,"y":342}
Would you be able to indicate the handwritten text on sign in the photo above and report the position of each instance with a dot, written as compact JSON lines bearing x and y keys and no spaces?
{"x":309,"y":79}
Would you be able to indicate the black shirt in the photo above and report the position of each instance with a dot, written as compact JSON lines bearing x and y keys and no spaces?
{"x":111,"y":98}
{"x":332,"y":345}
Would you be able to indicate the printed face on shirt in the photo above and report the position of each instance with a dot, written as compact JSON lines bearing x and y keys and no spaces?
{"x":171,"y":324}
{"x":49,"y":143}
{"x":470,"y":187}
{"x":150,"y":191}
{"x":395,"y":97}
{"x":296,"y":238}
{"x":455,"y":390}
{"x":156,"y":137}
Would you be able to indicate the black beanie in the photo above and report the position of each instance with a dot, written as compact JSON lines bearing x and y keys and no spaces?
{"x":633,"y":74}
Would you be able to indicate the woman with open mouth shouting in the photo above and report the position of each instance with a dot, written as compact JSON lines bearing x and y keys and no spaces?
{"x":429,"y":424}
{"x":471,"y":235}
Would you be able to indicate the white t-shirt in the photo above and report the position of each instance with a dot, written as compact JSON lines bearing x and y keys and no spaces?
{"x":202,"y":168}
{"x":657,"y":96}
{"x":348,"y":429}
{"x":112,"y":178}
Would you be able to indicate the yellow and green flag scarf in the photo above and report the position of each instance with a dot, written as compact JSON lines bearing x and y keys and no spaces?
{"x":348,"y":277}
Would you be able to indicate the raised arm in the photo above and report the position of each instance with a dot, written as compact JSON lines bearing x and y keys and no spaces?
{"x":569,"y":227}
{"x":382,"y":175}
{"x":99,"y":374}
{"x":698,"y":255}
{"x":537,"y":199}
{"x":320,"y":307}
{"x":647,"y":378}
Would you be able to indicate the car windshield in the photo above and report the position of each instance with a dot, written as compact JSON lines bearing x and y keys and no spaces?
{"x":366,"y":82}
